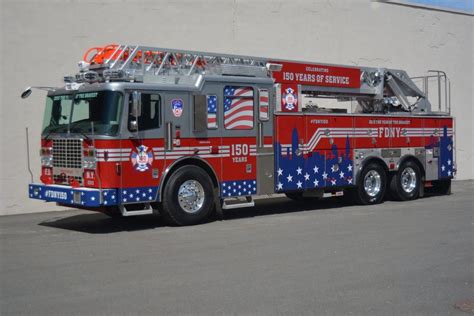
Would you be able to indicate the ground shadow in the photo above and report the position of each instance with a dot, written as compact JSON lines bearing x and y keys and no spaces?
{"x":97,"y":223}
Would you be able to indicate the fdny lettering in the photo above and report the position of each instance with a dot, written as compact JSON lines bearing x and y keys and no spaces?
{"x":55,"y":195}
{"x":389,"y":132}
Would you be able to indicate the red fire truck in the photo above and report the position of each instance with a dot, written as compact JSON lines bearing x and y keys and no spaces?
{"x":189,"y":133}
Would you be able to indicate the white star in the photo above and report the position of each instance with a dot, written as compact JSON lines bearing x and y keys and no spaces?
{"x":125,"y":200}
{"x":341,"y":174}
{"x":316,"y":169}
{"x":449,"y":162}
{"x":124,"y":191}
{"x":290,"y":178}
{"x":245,"y":190}
{"x":240,"y":187}
{"x":137,"y":191}
{"x":223,"y":191}
{"x":130,"y":195}
{"x":349,"y":167}
{"x":298,"y":184}
{"x":245,"y":182}
{"x":443,"y":167}
{"x":298,"y":171}
{"x":143,"y":194}
{"x":279,"y":171}
{"x":105,"y":193}
{"x":150,"y":190}
{"x":333,"y":182}
{"x":306,"y":176}
{"x":150,"y":198}
{"x":92,"y":198}
{"x":349,"y":180}
{"x":279,"y":186}
{"x":113,"y":197}
{"x":325,"y":175}
{"x":449,"y":172}
{"x":333,"y":168}
{"x":138,"y":199}
{"x":316,"y":182}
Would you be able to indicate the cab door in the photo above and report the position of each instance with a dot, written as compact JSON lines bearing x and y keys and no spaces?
{"x":140,"y":150}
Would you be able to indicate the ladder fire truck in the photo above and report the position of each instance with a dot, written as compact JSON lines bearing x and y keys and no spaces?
{"x":188,"y":133}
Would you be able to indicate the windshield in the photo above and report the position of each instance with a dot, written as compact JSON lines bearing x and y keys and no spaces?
{"x":80,"y":111}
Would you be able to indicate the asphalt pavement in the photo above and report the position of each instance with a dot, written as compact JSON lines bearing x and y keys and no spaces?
{"x":280,"y":257}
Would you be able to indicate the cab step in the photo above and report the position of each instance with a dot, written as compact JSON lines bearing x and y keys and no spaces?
{"x":147,"y":209}
{"x":238,"y":202}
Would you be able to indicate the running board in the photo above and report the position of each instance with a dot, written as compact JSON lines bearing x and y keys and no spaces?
{"x":228,"y":204}
{"x":145,"y":211}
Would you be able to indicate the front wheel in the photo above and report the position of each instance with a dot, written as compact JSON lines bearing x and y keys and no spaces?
{"x":405,"y":184}
{"x":371,"y":184}
{"x":188,"y":197}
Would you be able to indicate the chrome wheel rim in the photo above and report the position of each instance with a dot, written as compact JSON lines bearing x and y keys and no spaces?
{"x":372,"y":183}
{"x":191,"y":196}
{"x":408,"y":180}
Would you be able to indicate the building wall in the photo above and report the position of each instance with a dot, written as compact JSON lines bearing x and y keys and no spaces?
{"x":41,"y":41}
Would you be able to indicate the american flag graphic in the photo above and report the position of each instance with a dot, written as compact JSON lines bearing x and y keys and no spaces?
{"x":263,"y":101}
{"x":211,"y":111}
{"x":238,"y":107}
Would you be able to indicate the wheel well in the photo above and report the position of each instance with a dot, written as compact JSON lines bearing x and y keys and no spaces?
{"x":376,"y":160}
{"x":415,"y":160}
{"x":186,"y":162}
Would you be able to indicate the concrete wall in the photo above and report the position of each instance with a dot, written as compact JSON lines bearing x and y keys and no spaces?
{"x":42,"y":40}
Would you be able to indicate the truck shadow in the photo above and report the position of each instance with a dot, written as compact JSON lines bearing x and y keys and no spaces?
{"x":98,"y":223}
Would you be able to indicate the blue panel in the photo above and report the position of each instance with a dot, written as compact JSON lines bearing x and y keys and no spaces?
{"x":90,"y":197}
{"x":446,"y":163}
{"x":317,"y":169}
{"x":238,"y":188}
{"x":137,"y":195}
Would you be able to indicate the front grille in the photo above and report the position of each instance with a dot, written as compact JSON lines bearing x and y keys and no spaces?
{"x":67,"y":153}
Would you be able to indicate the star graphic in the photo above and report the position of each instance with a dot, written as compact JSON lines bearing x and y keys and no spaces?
{"x":289,"y":178}
{"x":279,"y":186}
{"x":449,"y":162}
{"x":298,"y":184}
{"x":341,"y":174}
{"x":349,"y":180}
{"x":325,"y":175}
{"x":316,"y":169}
{"x":449,"y":172}
{"x":279,"y":171}
{"x":333,"y":182}
{"x":306,"y":176}
{"x":299,"y":170}
{"x":349,"y":167}
{"x":333,"y":168}
{"x":443,"y":167}
{"x":316,"y":182}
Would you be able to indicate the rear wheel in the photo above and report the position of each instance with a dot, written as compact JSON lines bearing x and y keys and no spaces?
{"x":371,"y":184}
{"x":188,"y":197}
{"x":405,"y":184}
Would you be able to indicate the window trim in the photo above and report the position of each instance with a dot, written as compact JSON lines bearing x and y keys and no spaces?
{"x":260,"y":105}
{"x":217,"y":111}
{"x":160,"y":114}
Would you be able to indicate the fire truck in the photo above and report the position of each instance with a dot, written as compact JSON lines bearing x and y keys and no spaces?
{"x":188,"y":134}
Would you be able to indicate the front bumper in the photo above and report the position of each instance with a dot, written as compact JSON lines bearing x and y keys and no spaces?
{"x":86,"y":197}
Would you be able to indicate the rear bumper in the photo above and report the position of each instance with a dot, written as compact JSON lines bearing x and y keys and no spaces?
{"x":67,"y":195}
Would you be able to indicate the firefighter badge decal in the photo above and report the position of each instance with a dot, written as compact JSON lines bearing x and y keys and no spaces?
{"x":177,"y":107}
{"x":142,"y":158}
{"x":289,"y":100}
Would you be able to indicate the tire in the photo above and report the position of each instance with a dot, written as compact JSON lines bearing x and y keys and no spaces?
{"x":188,"y":197}
{"x":371,"y":185}
{"x":405,"y":184}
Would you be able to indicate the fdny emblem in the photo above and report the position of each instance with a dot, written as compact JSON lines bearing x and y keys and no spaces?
{"x":177,"y":107}
{"x":142,"y":159}
{"x":289,"y":99}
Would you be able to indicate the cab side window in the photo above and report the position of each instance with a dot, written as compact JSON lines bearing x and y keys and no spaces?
{"x":150,"y":117}
{"x":238,"y":107}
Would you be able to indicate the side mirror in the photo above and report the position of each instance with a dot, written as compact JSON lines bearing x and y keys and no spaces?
{"x":136,"y":105}
{"x":25,"y":94}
